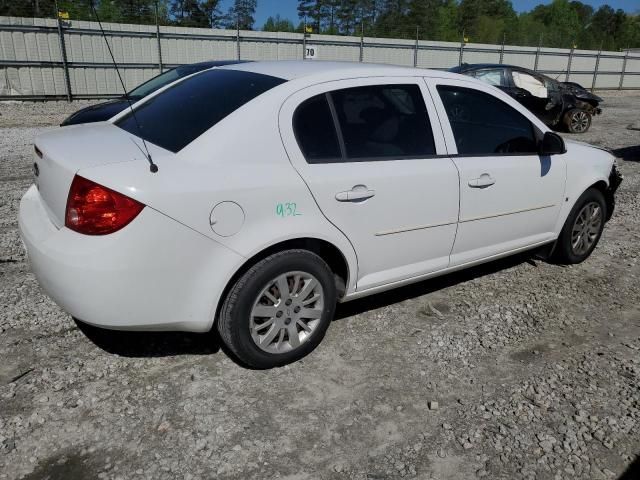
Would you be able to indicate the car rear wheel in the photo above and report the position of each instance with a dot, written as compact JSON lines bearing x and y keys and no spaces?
{"x":279,"y":310}
{"x":577,"y":121}
{"x":582,"y":229}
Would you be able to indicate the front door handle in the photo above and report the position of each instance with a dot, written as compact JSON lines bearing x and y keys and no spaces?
{"x":358,"y":193}
{"x":485,"y":180}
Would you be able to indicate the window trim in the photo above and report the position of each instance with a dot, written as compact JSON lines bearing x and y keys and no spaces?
{"x":337,"y":127}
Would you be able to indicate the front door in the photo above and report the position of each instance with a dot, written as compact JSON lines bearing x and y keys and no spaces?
{"x":510,"y":196}
{"x":368,"y":150}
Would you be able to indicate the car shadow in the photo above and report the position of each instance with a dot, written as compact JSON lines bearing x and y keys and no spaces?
{"x":168,"y":344}
{"x":150,"y":344}
{"x":629,"y":154}
{"x":414,"y":290}
{"x":633,"y":471}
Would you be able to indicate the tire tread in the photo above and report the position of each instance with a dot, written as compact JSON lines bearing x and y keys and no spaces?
{"x":226,"y":317}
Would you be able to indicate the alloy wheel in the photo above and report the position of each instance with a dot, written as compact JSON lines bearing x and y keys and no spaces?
{"x":286,"y":312}
{"x":586,"y":228}
{"x":579,"y":121}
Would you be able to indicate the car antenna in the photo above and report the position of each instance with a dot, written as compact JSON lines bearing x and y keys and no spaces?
{"x":152,"y":166}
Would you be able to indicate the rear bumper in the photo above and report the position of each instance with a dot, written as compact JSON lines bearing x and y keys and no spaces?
{"x":155,"y":274}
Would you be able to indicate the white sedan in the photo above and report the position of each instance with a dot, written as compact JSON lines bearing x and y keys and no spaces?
{"x":285,"y":187}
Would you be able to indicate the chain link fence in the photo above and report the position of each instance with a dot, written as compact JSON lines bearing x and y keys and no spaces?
{"x":45,"y":58}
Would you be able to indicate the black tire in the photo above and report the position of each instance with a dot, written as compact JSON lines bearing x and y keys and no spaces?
{"x":564,"y":251}
{"x":234,"y":321}
{"x":577,"y":120}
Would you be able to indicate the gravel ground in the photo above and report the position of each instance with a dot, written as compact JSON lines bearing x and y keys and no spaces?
{"x":514,"y":370}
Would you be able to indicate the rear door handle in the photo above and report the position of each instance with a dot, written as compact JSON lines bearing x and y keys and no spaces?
{"x":485,"y":180}
{"x":356,"y":194}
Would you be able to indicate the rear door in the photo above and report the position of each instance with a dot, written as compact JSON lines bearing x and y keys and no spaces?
{"x":369,"y":151}
{"x":510,"y":196}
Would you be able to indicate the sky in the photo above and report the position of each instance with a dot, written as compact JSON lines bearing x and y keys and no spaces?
{"x":287,"y":8}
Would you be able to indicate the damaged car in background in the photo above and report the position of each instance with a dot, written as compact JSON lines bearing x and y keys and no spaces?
{"x":560,"y":105}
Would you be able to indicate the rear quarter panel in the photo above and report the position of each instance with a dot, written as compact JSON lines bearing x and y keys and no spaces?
{"x":240,"y":160}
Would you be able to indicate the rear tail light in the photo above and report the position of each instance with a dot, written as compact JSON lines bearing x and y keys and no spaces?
{"x":96,"y":210}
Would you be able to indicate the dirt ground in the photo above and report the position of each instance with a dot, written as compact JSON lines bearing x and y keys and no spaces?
{"x":514,"y":370}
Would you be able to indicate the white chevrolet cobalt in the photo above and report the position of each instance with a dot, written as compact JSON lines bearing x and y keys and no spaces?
{"x":251,"y":198}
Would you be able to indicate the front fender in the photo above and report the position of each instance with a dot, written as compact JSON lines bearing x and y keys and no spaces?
{"x":586,"y":166}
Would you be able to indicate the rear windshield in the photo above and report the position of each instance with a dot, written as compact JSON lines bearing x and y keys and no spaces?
{"x":183,"y":112}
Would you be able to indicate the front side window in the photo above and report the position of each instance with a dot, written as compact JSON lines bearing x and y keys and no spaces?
{"x":483,"y":124}
{"x":383,"y":122}
{"x":181,"y":113}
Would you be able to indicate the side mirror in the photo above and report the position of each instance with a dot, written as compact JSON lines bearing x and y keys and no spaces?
{"x":552,"y":144}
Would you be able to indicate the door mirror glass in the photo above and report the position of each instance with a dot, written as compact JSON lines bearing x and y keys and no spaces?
{"x":552,"y":144}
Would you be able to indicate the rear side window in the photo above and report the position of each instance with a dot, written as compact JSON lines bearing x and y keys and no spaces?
{"x":316,"y":132}
{"x":183,"y":112}
{"x":380,"y":122}
{"x":484,"y":125}
{"x":383,"y":122}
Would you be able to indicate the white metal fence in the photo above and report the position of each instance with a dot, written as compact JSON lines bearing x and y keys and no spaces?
{"x":44,"y":59}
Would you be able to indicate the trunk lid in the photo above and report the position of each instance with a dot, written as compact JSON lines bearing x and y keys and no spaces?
{"x":69,"y":149}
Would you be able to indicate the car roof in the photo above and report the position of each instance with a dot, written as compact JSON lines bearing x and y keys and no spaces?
{"x":294,"y":69}
{"x":465,"y":67}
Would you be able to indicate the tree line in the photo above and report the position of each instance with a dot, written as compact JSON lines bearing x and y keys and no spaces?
{"x":562,"y":23}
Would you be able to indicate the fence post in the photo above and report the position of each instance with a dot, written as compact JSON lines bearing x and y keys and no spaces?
{"x":415,"y":50}
{"x":304,"y":39}
{"x":595,"y":71}
{"x":566,"y":77}
{"x":624,"y":67}
{"x":158,"y":39}
{"x":504,"y":38}
{"x":461,"y":49}
{"x":238,"y":38}
{"x":63,"y":54}
{"x":535,"y":65}
{"x":362,"y":41}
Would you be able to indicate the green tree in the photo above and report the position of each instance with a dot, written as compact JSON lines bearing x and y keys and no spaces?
{"x":242,"y":14}
{"x":211,"y":9}
{"x":278,"y":24}
{"x":188,"y":13}
{"x":562,"y":24}
{"x":392,"y":21}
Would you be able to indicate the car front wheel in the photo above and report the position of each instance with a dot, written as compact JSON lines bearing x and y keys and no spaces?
{"x":278,"y":310}
{"x":577,"y":121}
{"x":582,"y":229}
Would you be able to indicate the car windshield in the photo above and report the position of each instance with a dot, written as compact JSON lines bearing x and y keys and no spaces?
{"x":170,"y":76}
{"x":175,"y":117}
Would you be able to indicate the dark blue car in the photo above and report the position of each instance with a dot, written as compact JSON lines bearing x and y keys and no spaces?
{"x":106,"y":110}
